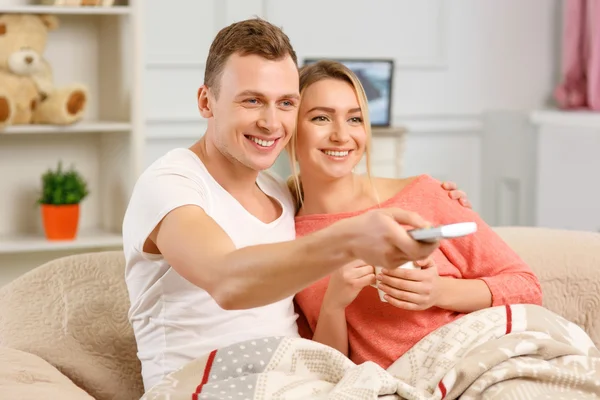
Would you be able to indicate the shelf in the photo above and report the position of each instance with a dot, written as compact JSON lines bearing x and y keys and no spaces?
{"x":65,"y":10}
{"x":80,"y":127}
{"x":391,"y":131}
{"x":35,"y":243}
{"x":575,"y":119}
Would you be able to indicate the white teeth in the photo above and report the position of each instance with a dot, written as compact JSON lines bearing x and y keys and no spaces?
{"x":263,"y":143}
{"x":336,"y":153}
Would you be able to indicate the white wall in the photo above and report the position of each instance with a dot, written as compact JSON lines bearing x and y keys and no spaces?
{"x":455,"y":60}
{"x":467,"y":74}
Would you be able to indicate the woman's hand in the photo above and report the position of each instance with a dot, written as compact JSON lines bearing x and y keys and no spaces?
{"x":456,"y":194}
{"x":411,"y":289}
{"x":346,"y":283}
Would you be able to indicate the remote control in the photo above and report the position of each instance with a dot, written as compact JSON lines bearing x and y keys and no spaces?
{"x":450,"y":231}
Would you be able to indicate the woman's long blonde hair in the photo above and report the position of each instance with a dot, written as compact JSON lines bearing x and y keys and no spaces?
{"x":311,"y":74}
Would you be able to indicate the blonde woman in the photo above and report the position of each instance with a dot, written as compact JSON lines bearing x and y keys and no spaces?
{"x":343,"y":310}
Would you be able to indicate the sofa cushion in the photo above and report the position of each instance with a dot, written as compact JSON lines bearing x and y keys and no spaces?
{"x":567,"y":264}
{"x":25,"y":376}
{"x":72,"y":312}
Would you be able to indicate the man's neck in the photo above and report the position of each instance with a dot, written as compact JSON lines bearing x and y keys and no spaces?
{"x":233,"y":176}
{"x":331,"y":196}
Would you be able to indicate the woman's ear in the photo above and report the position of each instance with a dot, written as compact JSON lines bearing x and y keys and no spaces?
{"x":204,"y":102}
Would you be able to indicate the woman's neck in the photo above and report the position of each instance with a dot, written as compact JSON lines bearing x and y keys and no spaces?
{"x":332,"y":196}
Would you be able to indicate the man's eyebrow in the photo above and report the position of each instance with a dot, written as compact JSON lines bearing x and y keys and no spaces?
{"x":250,"y":93}
{"x":254,"y":93}
{"x":332,"y":111}
{"x":294,"y":96}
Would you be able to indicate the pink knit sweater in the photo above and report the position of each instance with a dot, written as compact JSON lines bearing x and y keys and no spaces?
{"x":380,"y":332}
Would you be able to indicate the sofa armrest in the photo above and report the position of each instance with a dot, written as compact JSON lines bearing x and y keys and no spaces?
{"x":567,"y":264}
{"x":25,"y":376}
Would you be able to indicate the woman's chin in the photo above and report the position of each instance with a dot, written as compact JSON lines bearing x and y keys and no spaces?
{"x":336,"y":173}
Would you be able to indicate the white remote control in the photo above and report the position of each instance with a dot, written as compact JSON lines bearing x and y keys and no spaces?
{"x":436,"y":233}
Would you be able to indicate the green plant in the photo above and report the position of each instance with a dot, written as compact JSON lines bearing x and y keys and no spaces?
{"x":63,"y":187}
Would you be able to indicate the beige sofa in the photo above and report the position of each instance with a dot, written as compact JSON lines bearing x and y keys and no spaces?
{"x":64,"y":332}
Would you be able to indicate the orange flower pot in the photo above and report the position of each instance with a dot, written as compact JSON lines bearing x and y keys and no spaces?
{"x":60,"y":221}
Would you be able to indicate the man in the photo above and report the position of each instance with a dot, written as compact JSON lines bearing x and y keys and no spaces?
{"x":209,"y":234}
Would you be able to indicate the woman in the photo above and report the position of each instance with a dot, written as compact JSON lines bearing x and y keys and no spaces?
{"x":343,"y":310}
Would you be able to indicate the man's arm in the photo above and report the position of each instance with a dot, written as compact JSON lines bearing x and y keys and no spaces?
{"x":200,"y":251}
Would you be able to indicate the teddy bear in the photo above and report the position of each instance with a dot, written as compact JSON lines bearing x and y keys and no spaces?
{"x":27,"y":91}
{"x":75,"y":3}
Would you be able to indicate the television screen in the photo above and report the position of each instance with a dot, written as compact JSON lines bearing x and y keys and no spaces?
{"x":376,"y":76}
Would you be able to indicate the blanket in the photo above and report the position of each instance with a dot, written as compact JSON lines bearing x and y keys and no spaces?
{"x":507,"y":352}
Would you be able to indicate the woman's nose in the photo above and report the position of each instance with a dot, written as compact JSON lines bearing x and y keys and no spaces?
{"x":340,"y":133}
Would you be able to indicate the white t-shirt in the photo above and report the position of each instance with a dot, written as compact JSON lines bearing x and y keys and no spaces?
{"x":173,"y":320}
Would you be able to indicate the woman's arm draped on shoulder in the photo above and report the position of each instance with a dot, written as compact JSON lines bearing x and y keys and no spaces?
{"x":484,"y":256}
{"x":199,"y":250}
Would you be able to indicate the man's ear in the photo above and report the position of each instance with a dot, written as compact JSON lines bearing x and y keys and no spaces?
{"x":50,"y":21}
{"x":205,"y":99}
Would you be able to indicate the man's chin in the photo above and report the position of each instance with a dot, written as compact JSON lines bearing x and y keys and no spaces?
{"x":260,"y":163}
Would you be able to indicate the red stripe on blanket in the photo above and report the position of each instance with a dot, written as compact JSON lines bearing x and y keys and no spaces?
{"x":508,"y":319}
{"x":209,"y":363}
{"x":442,"y":388}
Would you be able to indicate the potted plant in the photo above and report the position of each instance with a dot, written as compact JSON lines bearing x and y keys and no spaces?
{"x":62,"y":192}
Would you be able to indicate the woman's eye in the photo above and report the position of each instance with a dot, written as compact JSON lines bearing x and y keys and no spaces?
{"x":320,"y":118}
{"x":356,"y":120}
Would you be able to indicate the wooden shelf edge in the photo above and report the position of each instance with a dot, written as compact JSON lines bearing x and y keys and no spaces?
{"x":91,"y":239}
{"x":66,"y":10}
{"x":79,"y":127}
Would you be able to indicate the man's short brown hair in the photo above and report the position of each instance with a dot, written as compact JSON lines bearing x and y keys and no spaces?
{"x":249,"y":37}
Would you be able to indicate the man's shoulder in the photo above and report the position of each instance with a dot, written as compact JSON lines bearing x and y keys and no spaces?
{"x":274,"y":178}
{"x":275,"y":181}
{"x":180,"y":159}
{"x":176,"y":177}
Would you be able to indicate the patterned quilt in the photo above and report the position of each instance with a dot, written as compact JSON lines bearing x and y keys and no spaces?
{"x":509,"y":352}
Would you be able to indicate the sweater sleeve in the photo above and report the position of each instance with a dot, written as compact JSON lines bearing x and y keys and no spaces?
{"x":483,"y":255}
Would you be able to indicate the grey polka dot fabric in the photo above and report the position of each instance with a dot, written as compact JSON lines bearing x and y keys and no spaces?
{"x":235,"y":369}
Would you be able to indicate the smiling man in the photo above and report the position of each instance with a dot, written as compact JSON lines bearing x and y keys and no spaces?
{"x":209,"y":239}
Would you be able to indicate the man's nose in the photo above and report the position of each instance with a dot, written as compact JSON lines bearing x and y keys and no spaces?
{"x":269,"y":120}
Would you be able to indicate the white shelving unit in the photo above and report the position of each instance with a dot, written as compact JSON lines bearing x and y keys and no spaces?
{"x":101,"y":48}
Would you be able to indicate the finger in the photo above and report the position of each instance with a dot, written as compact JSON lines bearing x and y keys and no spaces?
{"x":409,"y":297}
{"x":465,"y":203}
{"x":408,"y":248}
{"x":457,"y":194}
{"x":407,"y":217}
{"x":363,"y":271}
{"x":449,"y":185}
{"x":401,"y":304}
{"x":367,"y":280}
{"x":402,"y":285}
{"x":424,"y":263}
{"x":404,"y":274}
